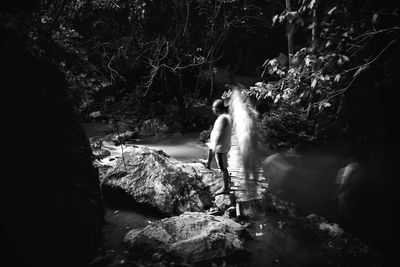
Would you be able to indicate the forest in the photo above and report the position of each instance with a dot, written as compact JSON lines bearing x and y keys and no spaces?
{"x":321,"y":75}
{"x":304,"y":63}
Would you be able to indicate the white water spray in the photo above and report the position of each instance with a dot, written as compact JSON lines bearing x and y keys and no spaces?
{"x":244,"y":118}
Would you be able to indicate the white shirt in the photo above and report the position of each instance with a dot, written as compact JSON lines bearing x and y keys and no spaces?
{"x":220,"y":138}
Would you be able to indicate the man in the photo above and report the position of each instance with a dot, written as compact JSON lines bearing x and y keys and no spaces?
{"x":220,"y":143}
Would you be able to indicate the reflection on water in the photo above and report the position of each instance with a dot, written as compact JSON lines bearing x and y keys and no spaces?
{"x":308,"y":180}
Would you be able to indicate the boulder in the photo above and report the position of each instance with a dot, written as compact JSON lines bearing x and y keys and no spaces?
{"x":193,"y":236}
{"x":153,"y":179}
{"x":101,"y":153}
{"x":123,"y":137}
{"x":211,"y":177}
{"x":224,"y":201}
{"x":52,"y":202}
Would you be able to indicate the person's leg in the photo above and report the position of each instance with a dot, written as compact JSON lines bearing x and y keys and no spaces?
{"x":222,"y":162}
{"x":210,"y":156}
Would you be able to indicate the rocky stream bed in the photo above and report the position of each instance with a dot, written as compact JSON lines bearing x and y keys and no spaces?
{"x":170,"y":218}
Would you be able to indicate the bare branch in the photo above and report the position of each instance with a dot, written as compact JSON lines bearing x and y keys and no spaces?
{"x":341,"y":91}
{"x":373,"y":60}
{"x":113,"y":70}
{"x":187,"y":17}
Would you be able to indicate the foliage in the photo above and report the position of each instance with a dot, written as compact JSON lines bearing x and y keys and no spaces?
{"x":285,"y":129}
{"x":143,"y":51}
{"x":145,"y":59}
{"x":322,"y":77}
{"x":205,"y":135}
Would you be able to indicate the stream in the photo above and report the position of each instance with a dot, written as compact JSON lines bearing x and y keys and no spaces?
{"x":187,"y":148}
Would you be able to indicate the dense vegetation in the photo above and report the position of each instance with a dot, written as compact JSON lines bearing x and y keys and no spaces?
{"x":318,"y":70}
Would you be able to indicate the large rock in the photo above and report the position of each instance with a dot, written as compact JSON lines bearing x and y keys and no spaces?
{"x":153,"y":179}
{"x":191,"y":237}
{"x":52,"y":200}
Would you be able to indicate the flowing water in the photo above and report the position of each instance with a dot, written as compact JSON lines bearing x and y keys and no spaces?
{"x":305,"y":186}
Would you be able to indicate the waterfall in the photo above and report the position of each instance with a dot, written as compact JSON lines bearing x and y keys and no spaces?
{"x":244,"y":118}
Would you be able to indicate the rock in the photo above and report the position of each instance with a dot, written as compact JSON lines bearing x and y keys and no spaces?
{"x":95,"y":142}
{"x":223,"y":202}
{"x":230,"y":213}
{"x":153,"y":179}
{"x":53,"y":205}
{"x":193,"y":236}
{"x":211,"y":177}
{"x":95,"y":115}
{"x":123,"y":137}
{"x":101,"y":153}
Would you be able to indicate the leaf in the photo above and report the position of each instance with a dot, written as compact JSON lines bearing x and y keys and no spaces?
{"x":105,"y":84}
{"x":328,"y":44}
{"x":307,"y":61}
{"x":360,"y":69}
{"x":312,"y":4}
{"x":337,"y":77}
{"x":345,"y":58}
{"x":274,"y":19}
{"x":332,"y":10}
{"x":313,"y":83}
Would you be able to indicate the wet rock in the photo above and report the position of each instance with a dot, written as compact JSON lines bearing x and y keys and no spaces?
{"x":95,"y":142}
{"x":153,"y":179}
{"x":223,"y":202}
{"x":124,"y":137}
{"x":230,"y":213}
{"x":192,"y":237}
{"x":101,"y":153}
{"x":211,"y":177}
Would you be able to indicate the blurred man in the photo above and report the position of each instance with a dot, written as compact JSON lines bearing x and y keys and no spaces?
{"x":220,"y":143}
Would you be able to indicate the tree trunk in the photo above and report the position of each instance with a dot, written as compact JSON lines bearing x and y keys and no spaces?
{"x":316,"y":29}
{"x":289,"y":33}
{"x":179,"y":96}
{"x":212,"y":77}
